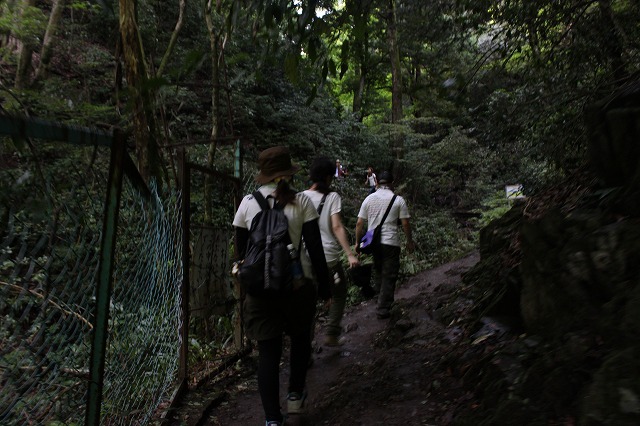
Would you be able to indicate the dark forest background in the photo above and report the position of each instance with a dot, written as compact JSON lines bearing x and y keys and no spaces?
{"x":457,"y":97}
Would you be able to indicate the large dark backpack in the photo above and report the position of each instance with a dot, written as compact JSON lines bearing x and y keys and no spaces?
{"x":266,"y":269}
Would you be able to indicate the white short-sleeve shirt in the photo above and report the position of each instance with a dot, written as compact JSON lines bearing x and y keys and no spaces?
{"x":373,"y":208}
{"x":297,"y":214}
{"x":332,"y":205}
{"x":371,"y":179}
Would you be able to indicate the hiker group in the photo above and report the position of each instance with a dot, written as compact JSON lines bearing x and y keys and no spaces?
{"x":290,"y":246}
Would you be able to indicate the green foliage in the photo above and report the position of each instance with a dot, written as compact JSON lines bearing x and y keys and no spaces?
{"x":493,"y":207}
{"x":540,"y":72}
{"x":205,"y":346}
{"x":454,"y":171}
{"x":27,"y":24}
{"x":439,"y":239}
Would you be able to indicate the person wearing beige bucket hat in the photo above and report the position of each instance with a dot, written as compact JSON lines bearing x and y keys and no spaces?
{"x":273,"y":163}
{"x":266,"y":320}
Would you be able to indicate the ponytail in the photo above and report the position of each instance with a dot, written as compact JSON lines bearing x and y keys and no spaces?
{"x":284,"y":193}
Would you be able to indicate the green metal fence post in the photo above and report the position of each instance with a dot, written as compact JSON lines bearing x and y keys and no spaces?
{"x":104,"y":285}
{"x":185,"y":186}
{"x":238,"y":326}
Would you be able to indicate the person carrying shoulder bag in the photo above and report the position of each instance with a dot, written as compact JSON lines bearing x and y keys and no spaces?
{"x":335,"y":240}
{"x":386,"y":260}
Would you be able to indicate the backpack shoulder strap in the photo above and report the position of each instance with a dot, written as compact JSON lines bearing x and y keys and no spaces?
{"x":386,"y":213}
{"x":324,"y":197}
{"x":262,"y":202}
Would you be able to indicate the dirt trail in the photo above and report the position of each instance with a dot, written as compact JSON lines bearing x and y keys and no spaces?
{"x":388,"y":372}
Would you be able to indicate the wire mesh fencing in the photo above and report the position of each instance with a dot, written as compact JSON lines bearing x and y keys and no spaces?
{"x":52,"y":198}
{"x":145,"y":314}
{"x":52,"y":203}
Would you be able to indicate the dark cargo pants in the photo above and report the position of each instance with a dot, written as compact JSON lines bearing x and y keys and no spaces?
{"x":338,"y":301}
{"x":386,"y":264}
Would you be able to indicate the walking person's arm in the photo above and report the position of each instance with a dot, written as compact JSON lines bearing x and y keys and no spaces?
{"x":406,"y":228}
{"x":341,"y":235}
{"x":241,"y":240}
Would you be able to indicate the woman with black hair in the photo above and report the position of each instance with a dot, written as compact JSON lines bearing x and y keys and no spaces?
{"x":334,"y":240}
{"x":267,"y":319}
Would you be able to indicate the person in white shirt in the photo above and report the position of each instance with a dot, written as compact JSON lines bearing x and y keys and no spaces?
{"x":371,"y":180}
{"x":267,"y":319}
{"x":334,"y":241}
{"x":386,"y":261}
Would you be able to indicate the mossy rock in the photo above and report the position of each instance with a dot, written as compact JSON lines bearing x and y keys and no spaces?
{"x":621,"y":319}
{"x":614,"y":130}
{"x":577,"y":272}
{"x":499,"y":233}
{"x":551,"y":303}
{"x":613,"y":398}
{"x":514,"y":412}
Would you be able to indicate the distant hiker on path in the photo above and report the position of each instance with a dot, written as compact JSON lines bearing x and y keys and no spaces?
{"x":266,"y":319}
{"x":334,"y":240}
{"x":371,"y":180}
{"x":386,"y":260}
{"x":339,"y":172}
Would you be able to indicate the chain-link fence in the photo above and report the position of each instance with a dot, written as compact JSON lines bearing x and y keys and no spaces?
{"x":52,"y":204}
{"x":143,"y":348}
{"x":52,"y":198}
{"x":216,"y":334}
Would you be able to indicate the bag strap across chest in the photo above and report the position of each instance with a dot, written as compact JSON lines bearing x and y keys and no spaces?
{"x":324,"y":197}
{"x":386,"y":213}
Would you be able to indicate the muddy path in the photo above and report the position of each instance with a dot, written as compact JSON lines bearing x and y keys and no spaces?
{"x":397,"y":371}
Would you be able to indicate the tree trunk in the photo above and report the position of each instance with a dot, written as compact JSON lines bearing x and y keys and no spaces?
{"x":214,"y":45}
{"x":361,"y":75}
{"x":362,"y":58}
{"x":144,"y":125}
{"x":361,"y":11}
{"x":394,"y":57}
{"x":358,"y":93}
{"x":397,"y":138}
{"x":613,"y":41}
{"x":174,"y":38}
{"x":24,"y":55}
{"x":47,"y":44}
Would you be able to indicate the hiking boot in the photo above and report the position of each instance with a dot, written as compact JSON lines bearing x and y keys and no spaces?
{"x":295,"y":402}
{"x":332,"y":341}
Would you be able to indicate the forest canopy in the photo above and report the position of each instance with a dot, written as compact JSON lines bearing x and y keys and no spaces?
{"x":483,"y":94}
